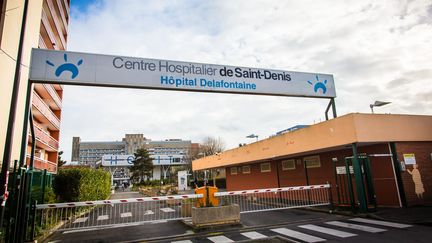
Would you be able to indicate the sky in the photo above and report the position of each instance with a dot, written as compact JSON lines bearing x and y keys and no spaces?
{"x":376,"y":50}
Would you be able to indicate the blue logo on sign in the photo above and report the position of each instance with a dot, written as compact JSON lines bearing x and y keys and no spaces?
{"x":319,"y":85}
{"x":67,"y":66}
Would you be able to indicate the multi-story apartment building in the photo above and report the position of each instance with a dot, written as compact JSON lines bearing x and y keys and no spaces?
{"x":46,"y":27}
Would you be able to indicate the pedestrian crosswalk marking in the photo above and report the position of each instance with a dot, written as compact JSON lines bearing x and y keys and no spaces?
{"x":328,"y":231}
{"x":124,"y":215}
{"x":103,"y":217}
{"x":383,"y":223}
{"x":148,"y":212}
{"x":80,"y":220}
{"x":220,"y":239}
{"x":182,"y":241}
{"x":298,"y":235}
{"x":167,"y":210}
{"x":356,"y":226}
{"x":254,"y":235}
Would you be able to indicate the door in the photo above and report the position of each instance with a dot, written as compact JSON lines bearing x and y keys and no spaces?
{"x":346,"y":183}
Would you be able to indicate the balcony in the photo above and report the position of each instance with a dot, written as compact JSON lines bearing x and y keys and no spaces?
{"x":42,"y":164}
{"x":49,"y":95}
{"x":57,"y":21}
{"x":44,"y":140}
{"x":43,"y":113}
{"x":61,"y":11}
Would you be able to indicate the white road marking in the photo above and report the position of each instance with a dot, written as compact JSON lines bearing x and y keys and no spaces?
{"x":379,"y":222}
{"x":80,"y":220}
{"x":220,"y":239}
{"x":167,"y":210}
{"x":79,"y":230}
{"x":182,"y":241}
{"x":103,"y":217}
{"x":148,"y":212}
{"x":298,"y":235}
{"x":159,"y":221}
{"x":328,"y":231}
{"x":124,"y":215}
{"x":254,"y":235}
{"x":356,"y":227}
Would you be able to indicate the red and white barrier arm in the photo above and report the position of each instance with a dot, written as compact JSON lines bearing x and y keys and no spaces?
{"x":118,"y":201}
{"x":274,"y":190}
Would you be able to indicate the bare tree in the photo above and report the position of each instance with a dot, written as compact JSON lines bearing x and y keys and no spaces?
{"x":212,"y":145}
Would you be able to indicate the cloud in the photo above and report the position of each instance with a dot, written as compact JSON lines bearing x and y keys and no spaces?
{"x":368,"y":46}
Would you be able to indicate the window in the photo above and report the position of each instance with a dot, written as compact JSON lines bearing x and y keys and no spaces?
{"x":265,"y":167}
{"x":288,"y":164}
{"x":233,"y":170}
{"x":246,"y":169}
{"x":312,"y":161}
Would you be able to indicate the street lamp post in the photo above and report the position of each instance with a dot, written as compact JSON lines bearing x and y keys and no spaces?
{"x":378,"y":103}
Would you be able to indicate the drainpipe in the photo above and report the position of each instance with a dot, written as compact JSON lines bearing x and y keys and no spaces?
{"x":397,"y":173}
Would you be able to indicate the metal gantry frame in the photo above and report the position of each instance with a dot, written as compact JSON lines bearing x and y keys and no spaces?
{"x":331,"y":104}
{"x":28,"y":120}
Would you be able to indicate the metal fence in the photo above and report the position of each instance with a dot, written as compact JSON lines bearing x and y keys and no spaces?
{"x":113,"y":212}
{"x":93,"y":214}
{"x":277,"y":198}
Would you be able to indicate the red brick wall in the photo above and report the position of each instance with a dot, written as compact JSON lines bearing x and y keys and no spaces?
{"x":383,"y":175}
{"x":384,"y":182}
{"x":422,"y":152}
{"x":255,"y":180}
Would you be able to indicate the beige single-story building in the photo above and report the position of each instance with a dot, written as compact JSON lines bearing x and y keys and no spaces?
{"x":394,"y":150}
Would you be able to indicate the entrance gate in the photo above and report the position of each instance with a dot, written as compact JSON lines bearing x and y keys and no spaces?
{"x":73,"y":68}
{"x":134,"y":211}
{"x":346,"y":183}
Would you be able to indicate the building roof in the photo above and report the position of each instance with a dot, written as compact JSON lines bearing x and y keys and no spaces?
{"x":327,"y":135}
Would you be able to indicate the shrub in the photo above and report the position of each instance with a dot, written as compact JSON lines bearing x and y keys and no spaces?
{"x":154,"y":183}
{"x":49,"y":195}
{"x":82,"y":184}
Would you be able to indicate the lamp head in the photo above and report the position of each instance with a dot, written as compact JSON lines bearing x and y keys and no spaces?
{"x":380,"y":103}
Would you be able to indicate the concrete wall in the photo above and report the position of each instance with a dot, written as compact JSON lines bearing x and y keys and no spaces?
{"x":9,"y":44}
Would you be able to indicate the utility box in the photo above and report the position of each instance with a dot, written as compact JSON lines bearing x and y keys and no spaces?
{"x":182,"y":180}
{"x":209,"y":192}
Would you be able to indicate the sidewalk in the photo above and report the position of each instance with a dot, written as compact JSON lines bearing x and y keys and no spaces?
{"x":411,"y":215}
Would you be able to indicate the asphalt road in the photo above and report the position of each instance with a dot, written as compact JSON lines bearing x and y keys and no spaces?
{"x":294,"y":224}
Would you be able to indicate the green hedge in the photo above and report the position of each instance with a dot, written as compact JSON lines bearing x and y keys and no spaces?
{"x":82,"y":184}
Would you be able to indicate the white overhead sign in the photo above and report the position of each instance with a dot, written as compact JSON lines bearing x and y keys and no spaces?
{"x":127,"y":160}
{"x":104,"y":70}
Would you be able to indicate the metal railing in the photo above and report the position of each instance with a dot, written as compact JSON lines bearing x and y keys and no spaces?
{"x":45,"y":138}
{"x":104,"y":213}
{"x":277,"y":198}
